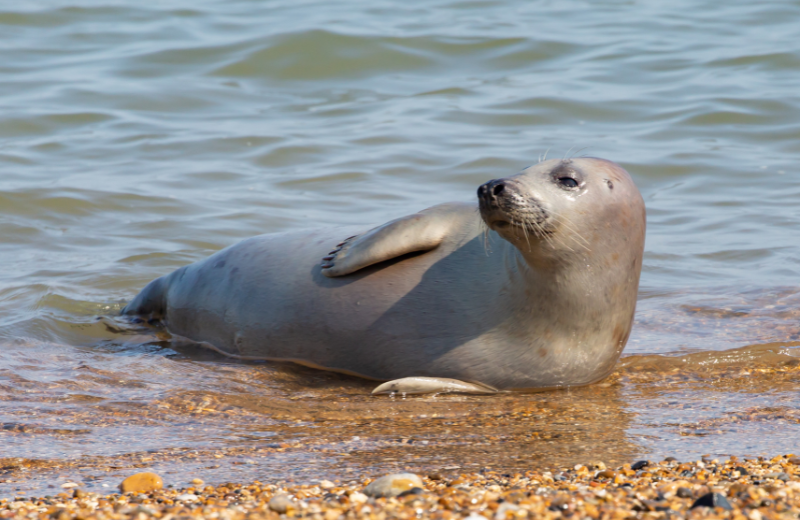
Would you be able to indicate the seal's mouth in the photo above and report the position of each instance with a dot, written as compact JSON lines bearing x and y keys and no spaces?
{"x":501,"y":224}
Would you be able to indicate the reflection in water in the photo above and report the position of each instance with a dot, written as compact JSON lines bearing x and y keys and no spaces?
{"x":131,"y":403}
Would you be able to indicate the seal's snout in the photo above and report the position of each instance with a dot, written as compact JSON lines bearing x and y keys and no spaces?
{"x":505,"y":203}
{"x":493,"y":197}
{"x":489,"y":192}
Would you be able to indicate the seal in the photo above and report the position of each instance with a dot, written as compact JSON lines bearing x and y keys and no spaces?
{"x":533,"y":288}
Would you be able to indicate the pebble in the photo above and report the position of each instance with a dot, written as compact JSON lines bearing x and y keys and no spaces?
{"x":713,"y":500}
{"x":141,"y":483}
{"x":393,"y":485}
{"x":504,"y":510}
{"x":606,"y":473}
{"x":358,"y":498}
{"x":186,"y":497}
{"x":326,"y":484}
{"x":198,"y":481}
{"x":282,"y":503}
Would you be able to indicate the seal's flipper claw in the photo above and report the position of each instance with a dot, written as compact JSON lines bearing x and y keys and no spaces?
{"x":421,"y":231}
{"x":432,"y":385}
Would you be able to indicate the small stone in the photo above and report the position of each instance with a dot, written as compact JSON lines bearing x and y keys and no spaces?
{"x":504,"y":510}
{"x":683,"y":492}
{"x":281,"y":504}
{"x":639,"y":464}
{"x":326,"y":484}
{"x":393,"y":485}
{"x":794,"y":460}
{"x":186,"y":497}
{"x":198,"y":481}
{"x":667,"y":489}
{"x":712,"y":500}
{"x":141,"y":483}
{"x":358,"y":498}
{"x":607,"y":473}
{"x":69,"y":485}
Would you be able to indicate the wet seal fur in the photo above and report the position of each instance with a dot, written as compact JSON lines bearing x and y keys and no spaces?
{"x":534,"y":288}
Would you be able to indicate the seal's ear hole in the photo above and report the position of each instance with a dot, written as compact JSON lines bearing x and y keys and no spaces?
{"x":568,"y":182}
{"x":610,"y":184}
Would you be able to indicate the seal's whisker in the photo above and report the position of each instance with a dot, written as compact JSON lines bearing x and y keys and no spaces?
{"x":486,"y":244}
{"x":485,"y":232}
{"x":573,"y":234}
{"x":549,"y":238}
{"x":577,"y":152}
{"x":527,"y":238}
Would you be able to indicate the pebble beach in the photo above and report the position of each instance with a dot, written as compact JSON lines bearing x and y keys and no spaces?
{"x":706,"y":488}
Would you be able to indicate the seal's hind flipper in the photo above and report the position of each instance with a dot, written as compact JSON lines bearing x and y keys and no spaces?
{"x":421,"y":231}
{"x":432,"y":385}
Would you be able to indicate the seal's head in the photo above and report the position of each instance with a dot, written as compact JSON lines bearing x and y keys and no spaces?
{"x":565,"y":207}
{"x":579,"y":225}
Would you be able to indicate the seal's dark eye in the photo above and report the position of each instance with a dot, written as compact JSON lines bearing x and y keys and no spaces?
{"x":568,"y":182}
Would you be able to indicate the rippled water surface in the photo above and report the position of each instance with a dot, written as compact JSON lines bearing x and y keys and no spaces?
{"x":137,"y":137}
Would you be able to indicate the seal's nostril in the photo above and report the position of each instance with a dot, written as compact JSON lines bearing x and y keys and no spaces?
{"x":498,"y":188}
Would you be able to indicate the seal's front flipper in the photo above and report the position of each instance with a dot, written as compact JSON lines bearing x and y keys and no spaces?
{"x":421,"y":231}
{"x":432,"y":385}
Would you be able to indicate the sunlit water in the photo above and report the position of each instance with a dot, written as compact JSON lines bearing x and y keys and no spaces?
{"x":138,"y":137}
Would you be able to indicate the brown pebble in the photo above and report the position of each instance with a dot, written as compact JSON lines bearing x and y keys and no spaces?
{"x":141,"y":483}
{"x":198,"y":481}
{"x":393,"y":485}
{"x":606,"y":474}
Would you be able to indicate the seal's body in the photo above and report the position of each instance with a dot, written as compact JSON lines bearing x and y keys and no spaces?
{"x":534,"y":287}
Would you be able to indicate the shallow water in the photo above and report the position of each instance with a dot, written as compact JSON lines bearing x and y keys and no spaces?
{"x":135,"y":139}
